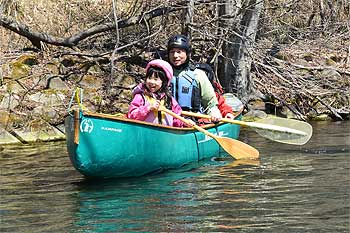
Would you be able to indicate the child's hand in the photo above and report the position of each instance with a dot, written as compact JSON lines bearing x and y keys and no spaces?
{"x":190,"y":123}
{"x":155,"y":106}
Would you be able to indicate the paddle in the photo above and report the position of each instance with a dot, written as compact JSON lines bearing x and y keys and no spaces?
{"x":235,"y":148}
{"x":278,"y":129}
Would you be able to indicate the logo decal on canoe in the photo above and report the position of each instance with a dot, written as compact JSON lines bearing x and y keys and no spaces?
{"x":208,"y":138}
{"x":111,"y":129}
{"x":86,"y":126}
{"x":222,"y":134}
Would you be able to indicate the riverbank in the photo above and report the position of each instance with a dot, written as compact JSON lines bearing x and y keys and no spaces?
{"x":305,"y":81}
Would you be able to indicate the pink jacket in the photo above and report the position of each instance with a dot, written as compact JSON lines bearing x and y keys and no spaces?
{"x":138,"y":109}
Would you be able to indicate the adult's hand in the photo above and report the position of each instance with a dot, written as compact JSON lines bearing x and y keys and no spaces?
{"x":215,"y":115}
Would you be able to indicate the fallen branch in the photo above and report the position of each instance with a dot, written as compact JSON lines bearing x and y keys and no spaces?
{"x":333,"y":110}
{"x":318,"y":68}
{"x":287,"y":87}
{"x":38,"y":37}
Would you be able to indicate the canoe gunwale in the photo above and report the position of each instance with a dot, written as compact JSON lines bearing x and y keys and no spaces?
{"x":125,"y":119}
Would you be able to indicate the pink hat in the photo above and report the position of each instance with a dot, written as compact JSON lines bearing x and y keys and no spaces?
{"x":163,"y":65}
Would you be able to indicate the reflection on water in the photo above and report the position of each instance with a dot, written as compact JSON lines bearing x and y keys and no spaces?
{"x":290,"y":189}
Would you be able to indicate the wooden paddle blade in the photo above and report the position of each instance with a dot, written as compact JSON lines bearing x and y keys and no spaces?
{"x":287,"y":137}
{"x":237,"y":149}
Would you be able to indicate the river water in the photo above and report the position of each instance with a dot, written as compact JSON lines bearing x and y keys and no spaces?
{"x":289,"y":189}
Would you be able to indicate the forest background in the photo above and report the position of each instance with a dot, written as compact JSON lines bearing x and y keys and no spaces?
{"x":286,"y":57}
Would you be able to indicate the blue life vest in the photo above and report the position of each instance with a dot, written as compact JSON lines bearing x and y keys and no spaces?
{"x":186,"y":91}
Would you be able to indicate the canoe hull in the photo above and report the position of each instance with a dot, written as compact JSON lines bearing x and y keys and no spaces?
{"x":115,"y":147}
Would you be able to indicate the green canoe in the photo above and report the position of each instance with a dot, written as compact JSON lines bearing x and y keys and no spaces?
{"x":102,"y":145}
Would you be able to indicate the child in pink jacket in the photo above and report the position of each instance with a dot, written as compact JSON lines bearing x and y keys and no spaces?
{"x":152,"y":94}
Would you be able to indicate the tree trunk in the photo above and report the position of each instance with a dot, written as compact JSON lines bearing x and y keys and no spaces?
{"x":186,"y":30}
{"x":226,"y":64}
{"x":234,"y":69}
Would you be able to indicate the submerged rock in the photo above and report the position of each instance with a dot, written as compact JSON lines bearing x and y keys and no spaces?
{"x":6,"y":137}
{"x":38,"y":130}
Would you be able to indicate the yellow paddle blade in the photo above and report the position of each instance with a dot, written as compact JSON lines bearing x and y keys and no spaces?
{"x":237,"y":149}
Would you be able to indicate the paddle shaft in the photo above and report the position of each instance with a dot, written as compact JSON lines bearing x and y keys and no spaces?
{"x":250,"y":124}
{"x":188,"y":123}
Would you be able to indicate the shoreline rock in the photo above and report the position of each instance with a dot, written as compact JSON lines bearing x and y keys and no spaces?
{"x":19,"y":136}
